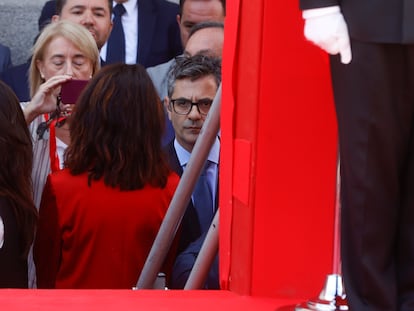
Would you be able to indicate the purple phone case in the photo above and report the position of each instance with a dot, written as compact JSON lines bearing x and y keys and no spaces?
{"x":71,"y":90}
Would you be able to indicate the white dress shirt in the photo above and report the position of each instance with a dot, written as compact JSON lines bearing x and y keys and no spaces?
{"x":130,"y":25}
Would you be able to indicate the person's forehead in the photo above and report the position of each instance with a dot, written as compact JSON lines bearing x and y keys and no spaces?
{"x":202,"y":10}
{"x":206,"y":34}
{"x":87,"y":3}
{"x":204,"y":40}
{"x":202,"y":86}
{"x":60,"y":45}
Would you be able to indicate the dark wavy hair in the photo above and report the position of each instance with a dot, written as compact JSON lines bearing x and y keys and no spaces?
{"x":16,"y":158}
{"x":116,"y":130}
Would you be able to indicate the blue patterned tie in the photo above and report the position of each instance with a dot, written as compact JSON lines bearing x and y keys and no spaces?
{"x":116,"y":43}
{"x":203,"y":200}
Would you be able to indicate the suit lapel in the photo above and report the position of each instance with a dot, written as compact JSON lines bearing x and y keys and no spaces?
{"x":147,"y":18}
{"x":173,"y":159}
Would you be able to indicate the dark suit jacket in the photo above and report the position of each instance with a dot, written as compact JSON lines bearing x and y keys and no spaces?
{"x":190,"y":239}
{"x":190,"y":227}
{"x":185,"y":263}
{"x":158,"y":32}
{"x":13,"y":266}
{"x":48,"y":10}
{"x":17,"y":78}
{"x":5,"y":57}
{"x":383,"y":21}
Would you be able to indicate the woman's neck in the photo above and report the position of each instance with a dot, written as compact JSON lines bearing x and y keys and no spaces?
{"x":63,"y":133}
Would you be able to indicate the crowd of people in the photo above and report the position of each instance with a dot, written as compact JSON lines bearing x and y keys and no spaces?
{"x":98,"y":175}
{"x":85,"y":185}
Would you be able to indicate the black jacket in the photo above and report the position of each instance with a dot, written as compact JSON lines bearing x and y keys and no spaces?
{"x":379,"y":21}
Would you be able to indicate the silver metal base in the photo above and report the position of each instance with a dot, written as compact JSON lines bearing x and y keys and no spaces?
{"x":331,"y":298}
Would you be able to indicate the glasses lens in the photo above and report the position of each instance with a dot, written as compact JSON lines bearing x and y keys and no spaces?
{"x":204,"y":105}
{"x":182,"y":106}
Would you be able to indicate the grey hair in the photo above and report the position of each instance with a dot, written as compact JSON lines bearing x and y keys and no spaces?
{"x":193,"y":68}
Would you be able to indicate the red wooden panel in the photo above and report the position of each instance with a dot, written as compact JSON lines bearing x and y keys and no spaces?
{"x":279,"y":243}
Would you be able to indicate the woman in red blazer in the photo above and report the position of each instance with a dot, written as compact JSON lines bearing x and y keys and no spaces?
{"x":100,"y":215}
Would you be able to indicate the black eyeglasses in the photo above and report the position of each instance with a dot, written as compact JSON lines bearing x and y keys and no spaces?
{"x":183,"y":106}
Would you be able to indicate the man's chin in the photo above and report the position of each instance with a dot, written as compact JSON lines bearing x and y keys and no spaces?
{"x":193,"y":131}
{"x":93,"y":35}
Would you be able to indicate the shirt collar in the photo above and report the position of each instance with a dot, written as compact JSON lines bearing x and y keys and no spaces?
{"x":128,"y":5}
{"x":184,"y":156}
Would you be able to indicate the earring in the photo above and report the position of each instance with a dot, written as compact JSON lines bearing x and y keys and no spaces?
{"x":42,"y":76}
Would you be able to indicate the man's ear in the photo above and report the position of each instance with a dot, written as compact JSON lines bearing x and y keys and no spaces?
{"x":55,"y":18}
{"x":167,"y":106}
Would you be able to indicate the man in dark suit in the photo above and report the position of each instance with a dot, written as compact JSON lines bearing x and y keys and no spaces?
{"x":373,"y":83}
{"x":192,"y":87}
{"x":150,"y":30}
{"x":48,"y":10}
{"x":94,"y":15}
{"x":192,"y":12}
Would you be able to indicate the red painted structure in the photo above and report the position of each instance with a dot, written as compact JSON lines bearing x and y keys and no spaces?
{"x":279,"y":154}
{"x":278,"y":164}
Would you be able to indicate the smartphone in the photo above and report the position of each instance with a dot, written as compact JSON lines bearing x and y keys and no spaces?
{"x":71,"y":90}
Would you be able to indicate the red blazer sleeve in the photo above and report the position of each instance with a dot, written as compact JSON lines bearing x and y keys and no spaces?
{"x":47,"y":245}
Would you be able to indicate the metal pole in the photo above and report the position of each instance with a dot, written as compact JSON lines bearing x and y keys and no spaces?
{"x":332,"y":297}
{"x":205,"y":258}
{"x":172,"y":219}
{"x":337,"y":224}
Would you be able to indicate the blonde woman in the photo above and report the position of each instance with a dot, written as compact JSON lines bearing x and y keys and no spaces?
{"x":63,"y":51}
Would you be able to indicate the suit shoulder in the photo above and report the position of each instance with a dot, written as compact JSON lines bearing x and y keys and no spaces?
{"x":18,"y":70}
{"x":4,"y":48}
{"x":167,"y":6}
{"x":169,"y":148}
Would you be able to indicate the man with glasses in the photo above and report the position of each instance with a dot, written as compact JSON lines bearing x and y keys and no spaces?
{"x":192,"y":85}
